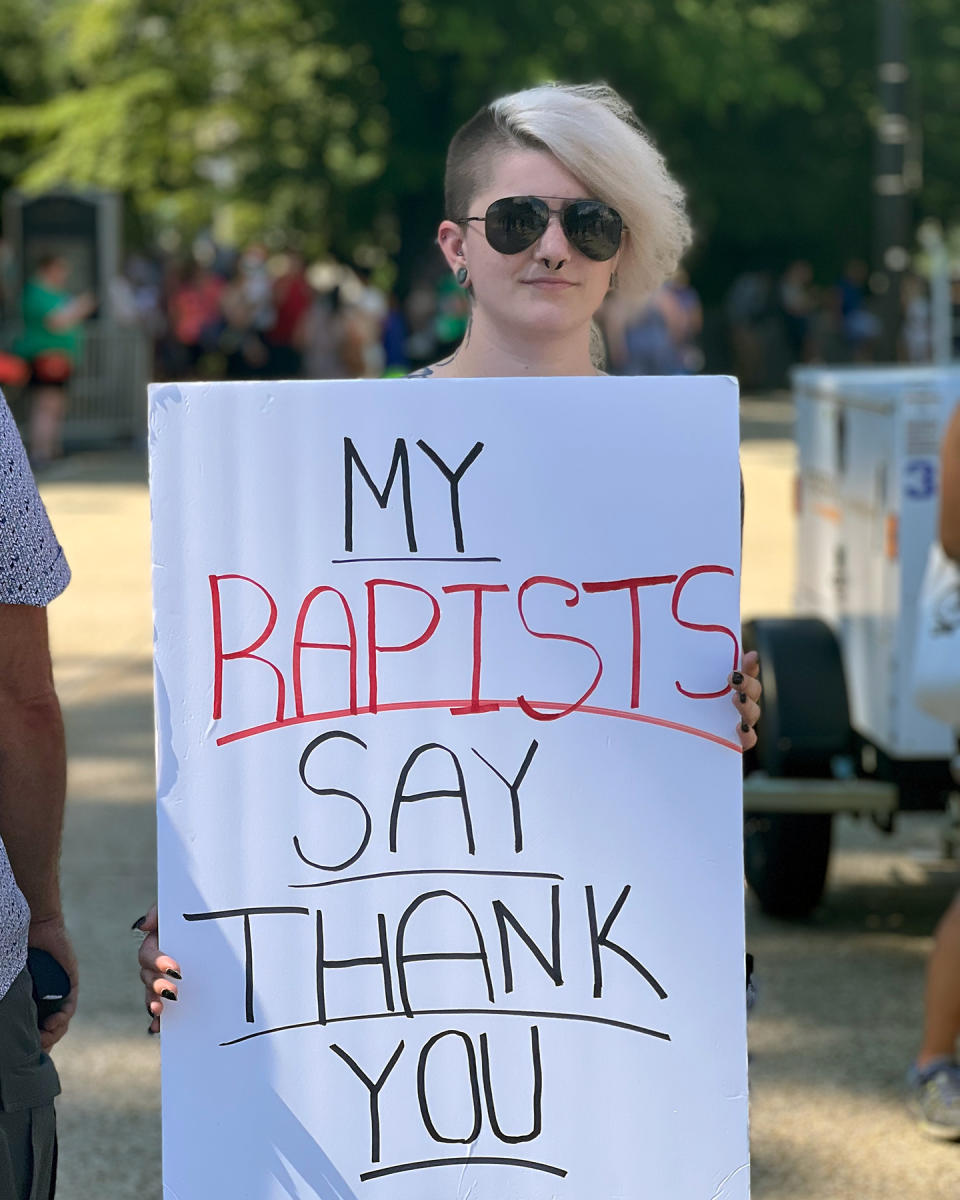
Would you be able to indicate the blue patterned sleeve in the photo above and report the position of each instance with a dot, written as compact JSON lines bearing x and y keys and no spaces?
{"x":33,"y":569}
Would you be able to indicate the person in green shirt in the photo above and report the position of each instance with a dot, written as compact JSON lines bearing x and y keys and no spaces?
{"x":51,"y":342}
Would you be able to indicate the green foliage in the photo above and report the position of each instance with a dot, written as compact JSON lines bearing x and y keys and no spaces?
{"x":331,"y":117}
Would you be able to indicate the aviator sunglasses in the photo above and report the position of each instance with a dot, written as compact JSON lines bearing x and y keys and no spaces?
{"x":516,"y":222}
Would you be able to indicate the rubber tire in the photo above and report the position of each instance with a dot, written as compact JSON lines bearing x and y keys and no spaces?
{"x":805,"y":722}
{"x":785,"y":860}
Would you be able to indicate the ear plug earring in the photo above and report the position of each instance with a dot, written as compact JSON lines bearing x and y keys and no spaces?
{"x":461,"y":275}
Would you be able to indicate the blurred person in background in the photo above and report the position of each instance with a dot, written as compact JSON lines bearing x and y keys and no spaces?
{"x":242,"y":344}
{"x":33,"y":571}
{"x":321,"y":336}
{"x":135,"y":299}
{"x":859,"y":326}
{"x":51,"y":342}
{"x":7,"y":281}
{"x":195,"y":319}
{"x":748,"y":307}
{"x":395,"y":335}
{"x":916,"y":334}
{"x":796,"y":307}
{"x":292,"y":298}
{"x":645,"y":340}
{"x":690,"y":326}
{"x":257,"y":287}
{"x":359,"y":348}
{"x":451,"y":316}
{"x":420,"y":312}
{"x":368,"y":312}
{"x":933,"y":1082}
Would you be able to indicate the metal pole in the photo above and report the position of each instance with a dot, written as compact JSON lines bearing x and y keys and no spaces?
{"x":941,"y":307}
{"x":892,"y":206}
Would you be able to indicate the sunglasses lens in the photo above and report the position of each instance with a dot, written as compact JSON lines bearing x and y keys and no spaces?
{"x":594,"y":228}
{"x":515,"y":223}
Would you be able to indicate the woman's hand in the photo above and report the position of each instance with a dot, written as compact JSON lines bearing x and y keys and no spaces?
{"x":158,"y":971}
{"x":747,"y":690}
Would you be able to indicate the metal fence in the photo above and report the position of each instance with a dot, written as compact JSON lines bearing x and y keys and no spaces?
{"x":108,"y":390}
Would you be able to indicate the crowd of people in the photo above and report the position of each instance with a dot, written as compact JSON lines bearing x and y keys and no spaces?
{"x":259,"y":315}
{"x":255,"y":315}
{"x":773,"y":322}
{"x":218,"y":313}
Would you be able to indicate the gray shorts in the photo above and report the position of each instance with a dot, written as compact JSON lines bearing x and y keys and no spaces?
{"x":28,"y":1085}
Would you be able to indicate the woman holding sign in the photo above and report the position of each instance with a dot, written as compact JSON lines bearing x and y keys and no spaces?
{"x":553,"y":196}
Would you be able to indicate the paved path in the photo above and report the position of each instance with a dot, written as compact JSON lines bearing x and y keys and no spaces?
{"x":841,"y":994}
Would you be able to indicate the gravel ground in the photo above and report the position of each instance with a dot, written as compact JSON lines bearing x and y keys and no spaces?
{"x":840,"y":995}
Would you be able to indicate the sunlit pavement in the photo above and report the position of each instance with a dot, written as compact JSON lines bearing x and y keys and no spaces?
{"x":840,"y":996}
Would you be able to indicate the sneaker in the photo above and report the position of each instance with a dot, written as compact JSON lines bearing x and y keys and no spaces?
{"x":933,"y":1099}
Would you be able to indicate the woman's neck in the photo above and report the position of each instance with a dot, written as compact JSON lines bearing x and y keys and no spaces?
{"x":490,"y":351}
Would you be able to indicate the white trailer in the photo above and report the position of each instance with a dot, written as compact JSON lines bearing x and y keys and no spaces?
{"x":840,"y":732}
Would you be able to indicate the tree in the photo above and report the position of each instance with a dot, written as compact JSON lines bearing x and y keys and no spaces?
{"x":331,"y":117}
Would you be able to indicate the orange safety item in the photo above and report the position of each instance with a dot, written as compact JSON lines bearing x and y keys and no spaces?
{"x":13,"y":370}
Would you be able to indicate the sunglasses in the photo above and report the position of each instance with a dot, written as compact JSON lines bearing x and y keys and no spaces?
{"x":516,"y":222}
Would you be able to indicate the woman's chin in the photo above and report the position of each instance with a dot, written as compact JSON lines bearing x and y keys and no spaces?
{"x":551,"y":315}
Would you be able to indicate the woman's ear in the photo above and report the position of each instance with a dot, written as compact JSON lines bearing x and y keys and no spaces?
{"x":450,"y":241}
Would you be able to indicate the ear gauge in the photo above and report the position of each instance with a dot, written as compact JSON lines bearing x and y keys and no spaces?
{"x":461,"y":276}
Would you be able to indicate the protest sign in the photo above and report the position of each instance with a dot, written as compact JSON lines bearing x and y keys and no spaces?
{"x":449,"y":789}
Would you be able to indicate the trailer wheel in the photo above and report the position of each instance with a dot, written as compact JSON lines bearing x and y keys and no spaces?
{"x":785,"y":858}
{"x":805,"y":724}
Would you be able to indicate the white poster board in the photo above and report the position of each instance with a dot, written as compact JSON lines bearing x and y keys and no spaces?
{"x":449,"y":789}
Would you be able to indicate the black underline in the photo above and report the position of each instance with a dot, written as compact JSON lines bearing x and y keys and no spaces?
{"x":468,"y":1161}
{"x":418,"y":558}
{"x":456,"y":1012}
{"x":431,"y":871}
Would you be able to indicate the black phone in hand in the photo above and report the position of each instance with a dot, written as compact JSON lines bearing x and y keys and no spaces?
{"x":51,"y":983}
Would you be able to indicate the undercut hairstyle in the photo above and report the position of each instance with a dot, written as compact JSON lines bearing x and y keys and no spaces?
{"x":595,"y":134}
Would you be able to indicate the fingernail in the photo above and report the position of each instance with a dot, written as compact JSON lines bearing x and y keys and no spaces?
{"x":138,"y":923}
{"x":736,"y":678}
{"x":173,"y":974}
{"x":743,"y":697}
{"x":168,"y":995}
{"x":745,"y":727}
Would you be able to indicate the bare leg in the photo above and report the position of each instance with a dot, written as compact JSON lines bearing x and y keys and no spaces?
{"x":942,"y":1015}
{"x":46,"y":423}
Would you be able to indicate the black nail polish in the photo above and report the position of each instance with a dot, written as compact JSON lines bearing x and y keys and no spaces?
{"x":736,"y":678}
{"x":745,"y":727}
{"x":173,"y":974}
{"x":138,"y":923}
{"x":168,"y":995}
{"x":743,"y":697}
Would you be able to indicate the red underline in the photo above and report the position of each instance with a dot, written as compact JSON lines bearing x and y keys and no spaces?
{"x":419,"y":705}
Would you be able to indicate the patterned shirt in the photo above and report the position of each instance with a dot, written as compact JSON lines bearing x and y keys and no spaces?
{"x":33,"y":571}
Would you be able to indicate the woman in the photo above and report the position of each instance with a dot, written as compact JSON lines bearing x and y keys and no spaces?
{"x":933,"y":1082}
{"x":553,"y":196}
{"x":51,"y":342}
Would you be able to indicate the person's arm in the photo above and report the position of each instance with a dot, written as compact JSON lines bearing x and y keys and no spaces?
{"x":33,"y":786}
{"x":950,"y":488}
{"x":72,"y":312}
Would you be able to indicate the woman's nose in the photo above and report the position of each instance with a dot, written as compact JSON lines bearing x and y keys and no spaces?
{"x":553,"y":249}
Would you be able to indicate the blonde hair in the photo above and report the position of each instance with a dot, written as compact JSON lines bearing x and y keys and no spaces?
{"x":595,"y":134}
